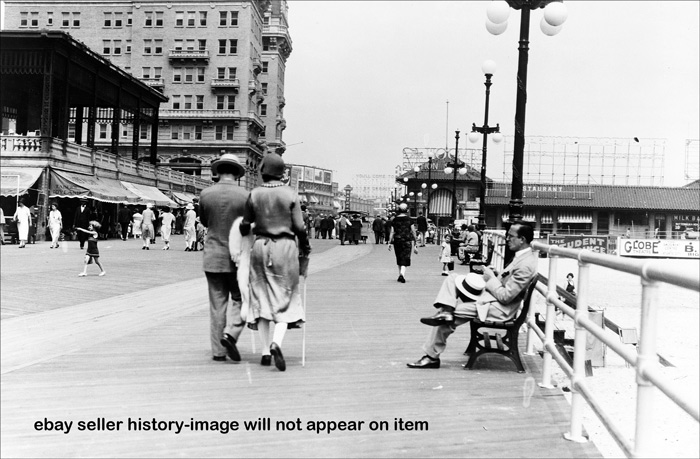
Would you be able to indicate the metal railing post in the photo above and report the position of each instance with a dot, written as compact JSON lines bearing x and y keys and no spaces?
{"x":580,"y":338}
{"x":549,"y":323}
{"x":646,"y":392}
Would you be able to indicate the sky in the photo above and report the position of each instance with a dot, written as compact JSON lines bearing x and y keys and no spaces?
{"x":367,"y":78}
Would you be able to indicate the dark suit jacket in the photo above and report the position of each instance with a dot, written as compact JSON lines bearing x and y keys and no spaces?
{"x":82,"y":219}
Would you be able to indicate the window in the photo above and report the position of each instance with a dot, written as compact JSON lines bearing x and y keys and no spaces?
{"x":189,"y":74}
{"x":174,"y":132}
{"x":221,"y":73}
{"x":219,"y":133}
{"x":200,"y":103}
{"x":71,"y":131}
{"x":198,"y":133}
{"x":103,"y":131}
{"x":177,"y":75}
{"x":49,"y":18}
{"x":220,"y":103}
{"x":35,"y":20}
{"x":188,"y":102}
{"x":178,"y":45}
{"x":108,"y":20}
{"x":106,"y":47}
{"x":128,"y":47}
{"x":65,"y":19}
{"x":146,"y":72}
{"x":176,"y":102}
{"x":159,"y":19}
{"x":263,"y":110}
{"x":179,"y":18}
{"x":187,"y":132}
{"x":232,"y":46}
{"x":202,"y":19}
{"x":234,"y":19}
{"x":190,"y":44}
{"x":231,"y":103}
{"x":264,"y":66}
{"x":232,"y":73}
{"x":118,"y":20}
{"x":129,"y":19}
{"x":202,"y":44}
{"x":149,"y":19}
{"x":76,"y":19}
{"x":144,"y":132}
{"x":190,"y":18}
{"x":158,"y":72}
{"x":117,"y":48}
{"x":229,"y":132}
{"x":264,"y":89}
{"x":222,"y":18}
{"x":158,"y":47}
{"x":24,"y":19}
{"x":222,"y":46}
{"x":147,"y":46}
{"x":200,"y":74}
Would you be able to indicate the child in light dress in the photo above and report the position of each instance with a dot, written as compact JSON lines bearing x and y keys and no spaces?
{"x":92,"y":254}
{"x":445,"y":254}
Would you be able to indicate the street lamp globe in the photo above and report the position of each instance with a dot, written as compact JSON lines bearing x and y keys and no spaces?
{"x":424,"y":185}
{"x":498,"y":12}
{"x":430,"y":154}
{"x":462,"y":171}
{"x":434,"y":186}
{"x":416,"y":169}
{"x":555,"y":14}
{"x":497,"y":137}
{"x":411,"y":193}
{"x":496,"y":29}
{"x":405,"y":179}
{"x":448,"y":170}
{"x":548,"y":29}
{"x":488,"y":67}
{"x":473,"y":137}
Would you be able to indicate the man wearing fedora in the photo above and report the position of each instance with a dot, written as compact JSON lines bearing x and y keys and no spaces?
{"x":491,"y":297}
{"x":219,"y":205}
{"x":83,"y":215}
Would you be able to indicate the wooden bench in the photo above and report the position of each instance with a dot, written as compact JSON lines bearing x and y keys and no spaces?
{"x":506,"y":344}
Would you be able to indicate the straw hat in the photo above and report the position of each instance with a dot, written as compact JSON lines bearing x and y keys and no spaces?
{"x":471,"y":285}
{"x":230,"y":159}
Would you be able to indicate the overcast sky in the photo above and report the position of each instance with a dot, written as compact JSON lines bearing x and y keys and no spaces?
{"x":368,"y":78}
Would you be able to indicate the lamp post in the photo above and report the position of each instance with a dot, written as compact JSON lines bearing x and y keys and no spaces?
{"x":554,"y":16}
{"x":425,"y":185}
{"x":489,"y":68}
{"x":452,"y":169}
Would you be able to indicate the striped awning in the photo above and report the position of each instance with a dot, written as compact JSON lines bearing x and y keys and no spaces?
{"x":574,"y":217}
{"x":441,"y":203}
{"x":302,"y":198}
{"x":547,"y":218}
{"x":527,"y":216}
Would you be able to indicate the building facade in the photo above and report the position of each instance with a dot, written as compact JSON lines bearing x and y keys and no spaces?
{"x":221,"y":64}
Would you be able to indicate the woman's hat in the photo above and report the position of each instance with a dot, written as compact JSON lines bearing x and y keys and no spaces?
{"x":189,"y":206}
{"x":230,"y":159}
{"x":403,"y":206}
{"x":272,"y":165}
{"x":472,"y":285}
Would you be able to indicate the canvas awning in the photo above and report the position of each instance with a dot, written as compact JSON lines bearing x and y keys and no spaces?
{"x":575,"y":217}
{"x":182,"y":198}
{"x":302,"y":198}
{"x":313,"y":199}
{"x":16,"y":181}
{"x":149,"y":194}
{"x":73,"y":185}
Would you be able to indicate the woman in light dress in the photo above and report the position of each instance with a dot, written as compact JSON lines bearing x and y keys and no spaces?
{"x":23,"y":217}
{"x":55,"y":224}
{"x":136,"y":220}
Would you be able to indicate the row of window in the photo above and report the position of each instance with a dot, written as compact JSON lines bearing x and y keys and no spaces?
{"x":180,"y":132}
{"x":68,"y":19}
{"x":196,"y":102}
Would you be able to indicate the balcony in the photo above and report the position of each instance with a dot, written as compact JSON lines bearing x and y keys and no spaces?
{"x":198,"y":114}
{"x":189,"y":54}
{"x":223,"y":83}
{"x":253,"y":116}
{"x":257,"y":66}
{"x":253,"y":86}
{"x":154,"y":82}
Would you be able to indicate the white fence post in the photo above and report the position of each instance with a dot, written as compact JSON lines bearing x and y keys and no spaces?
{"x":549,"y":323}
{"x":646,"y":392}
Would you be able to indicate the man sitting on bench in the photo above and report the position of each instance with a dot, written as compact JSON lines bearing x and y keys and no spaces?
{"x":498,"y":297}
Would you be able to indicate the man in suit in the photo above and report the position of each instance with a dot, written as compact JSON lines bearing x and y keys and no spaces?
{"x":83,"y":215}
{"x":499,"y":302}
{"x":219,"y":206}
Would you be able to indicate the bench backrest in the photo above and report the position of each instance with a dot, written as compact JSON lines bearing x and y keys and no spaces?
{"x":522,"y":316}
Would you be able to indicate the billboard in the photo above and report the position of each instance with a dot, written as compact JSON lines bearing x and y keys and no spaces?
{"x":658,"y":248}
{"x":597,"y":244}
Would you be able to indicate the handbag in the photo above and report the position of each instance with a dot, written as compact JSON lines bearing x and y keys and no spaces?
{"x":451,"y":265}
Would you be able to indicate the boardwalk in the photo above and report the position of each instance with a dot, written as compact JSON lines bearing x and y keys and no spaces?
{"x":134,"y":344}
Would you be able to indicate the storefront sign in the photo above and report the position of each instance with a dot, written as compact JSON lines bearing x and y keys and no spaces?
{"x":661,"y":248}
{"x":597,"y":244}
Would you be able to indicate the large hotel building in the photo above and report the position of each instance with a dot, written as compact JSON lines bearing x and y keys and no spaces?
{"x":220,"y":63}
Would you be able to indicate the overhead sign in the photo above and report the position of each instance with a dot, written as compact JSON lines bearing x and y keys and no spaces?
{"x":597,"y":244}
{"x":658,"y":248}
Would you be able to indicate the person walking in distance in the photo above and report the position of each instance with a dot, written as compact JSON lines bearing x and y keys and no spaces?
{"x":422,"y":226}
{"x":274,"y":259}
{"x":55,"y":224}
{"x":23,"y":218}
{"x":166,"y":226}
{"x":82,"y":220}
{"x":378,"y":228}
{"x":124,"y":217}
{"x":147,"y":228}
{"x":189,"y":228}
{"x":92,"y":254}
{"x":317,"y":225}
{"x":404,"y":241}
{"x":219,"y":205}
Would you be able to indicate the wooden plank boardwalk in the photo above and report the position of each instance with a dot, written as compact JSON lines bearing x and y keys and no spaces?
{"x":143,"y":352}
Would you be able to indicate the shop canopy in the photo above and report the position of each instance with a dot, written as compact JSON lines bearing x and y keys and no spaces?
{"x":16,"y":181}
{"x":149,"y":194}
{"x":182,"y":198}
{"x":73,"y":185}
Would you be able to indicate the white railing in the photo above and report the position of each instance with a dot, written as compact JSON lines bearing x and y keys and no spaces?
{"x":198,"y":114}
{"x":648,"y":371}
